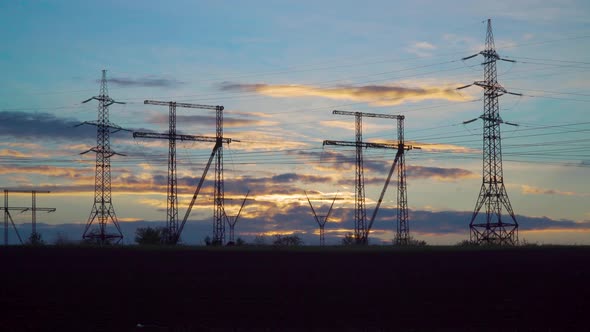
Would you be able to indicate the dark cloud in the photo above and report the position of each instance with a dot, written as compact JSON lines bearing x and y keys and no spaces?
{"x":145,"y":82}
{"x":438,"y":172}
{"x":23,"y":125}
{"x":298,"y":218}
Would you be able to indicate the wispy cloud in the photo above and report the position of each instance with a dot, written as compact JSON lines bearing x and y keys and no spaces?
{"x":210,"y":121}
{"x":421,"y":49}
{"x":145,"y":82}
{"x":531,"y":190}
{"x":379,"y":95}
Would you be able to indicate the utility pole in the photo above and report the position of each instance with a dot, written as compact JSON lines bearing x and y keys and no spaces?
{"x":362,"y":228}
{"x":102,"y":208}
{"x":321,"y":220}
{"x":232,"y":220}
{"x":7,"y":216}
{"x":493,"y":193}
{"x":172,"y":221}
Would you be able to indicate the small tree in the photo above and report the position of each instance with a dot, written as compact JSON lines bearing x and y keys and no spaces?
{"x":466,"y":243}
{"x":149,"y":236}
{"x":36,"y":239}
{"x":240,"y":242}
{"x":287,"y":240}
{"x":348,"y":239}
{"x":412,"y":242}
{"x":260,"y":240}
{"x":62,"y":239}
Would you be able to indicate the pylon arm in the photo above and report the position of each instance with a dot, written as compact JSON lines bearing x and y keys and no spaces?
{"x":362,"y":144}
{"x":109,"y":101}
{"x":185,"y":105}
{"x":471,"y":56}
{"x":391,"y":170}
{"x":107,"y":154}
{"x":370,"y":115}
{"x":241,"y":207}
{"x":190,"y":206}
{"x":192,"y":138}
{"x":463,"y":87}
{"x":507,"y":60}
{"x":331,"y":206}
{"x":108,"y":125}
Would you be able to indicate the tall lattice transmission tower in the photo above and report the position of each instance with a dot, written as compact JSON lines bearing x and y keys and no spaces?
{"x":402,"y":235}
{"x":103,"y":211}
{"x":494,"y":229}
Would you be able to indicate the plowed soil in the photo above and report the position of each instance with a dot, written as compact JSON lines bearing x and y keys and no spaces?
{"x":433,"y":289}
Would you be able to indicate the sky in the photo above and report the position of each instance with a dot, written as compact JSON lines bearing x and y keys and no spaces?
{"x":279,"y":68}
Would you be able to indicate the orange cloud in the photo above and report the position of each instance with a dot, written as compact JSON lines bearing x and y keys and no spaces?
{"x":379,"y":95}
{"x":13,"y":153}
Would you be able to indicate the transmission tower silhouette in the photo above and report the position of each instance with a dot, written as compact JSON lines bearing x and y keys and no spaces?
{"x":492,"y":195}
{"x":362,"y":228}
{"x":8,"y":216}
{"x":402,"y":235}
{"x":321,"y":220}
{"x":102,"y":209}
{"x":233,"y":220}
{"x":174,"y":227}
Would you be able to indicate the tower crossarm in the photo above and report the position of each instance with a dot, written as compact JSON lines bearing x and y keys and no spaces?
{"x":370,"y":115}
{"x":193,"y":138}
{"x":183,"y":105}
{"x":367,"y":144}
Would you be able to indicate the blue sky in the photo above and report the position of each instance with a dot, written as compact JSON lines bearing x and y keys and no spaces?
{"x":280,"y":68}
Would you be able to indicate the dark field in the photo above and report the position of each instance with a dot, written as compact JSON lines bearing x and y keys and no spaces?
{"x":430,"y":289}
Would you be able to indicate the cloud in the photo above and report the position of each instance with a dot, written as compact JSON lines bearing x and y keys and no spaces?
{"x":43,"y":126}
{"x":149,"y":82}
{"x":13,"y":153}
{"x":421,"y":49}
{"x":438,"y":173}
{"x":438,"y":147}
{"x":341,"y":162}
{"x":379,"y":95}
{"x":531,"y":190}
{"x":67,"y":172}
{"x":210,"y":121}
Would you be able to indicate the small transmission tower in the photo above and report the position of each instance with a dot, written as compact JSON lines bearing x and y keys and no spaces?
{"x":102,"y":209}
{"x":321,"y":220}
{"x":233,"y":220}
{"x":493,"y":193}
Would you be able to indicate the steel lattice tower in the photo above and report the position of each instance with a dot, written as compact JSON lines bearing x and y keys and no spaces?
{"x":493,"y":193}
{"x":218,"y":195}
{"x":402,"y":235}
{"x":172,"y":186}
{"x":102,"y":209}
{"x":174,"y":225}
{"x":360,"y":212}
{"x":361,"y":226}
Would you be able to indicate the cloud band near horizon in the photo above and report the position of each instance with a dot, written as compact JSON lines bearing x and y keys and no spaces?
{"x":379,"y":95}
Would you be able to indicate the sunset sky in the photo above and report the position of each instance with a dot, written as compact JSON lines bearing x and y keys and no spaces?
{"x":279,"y":68}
